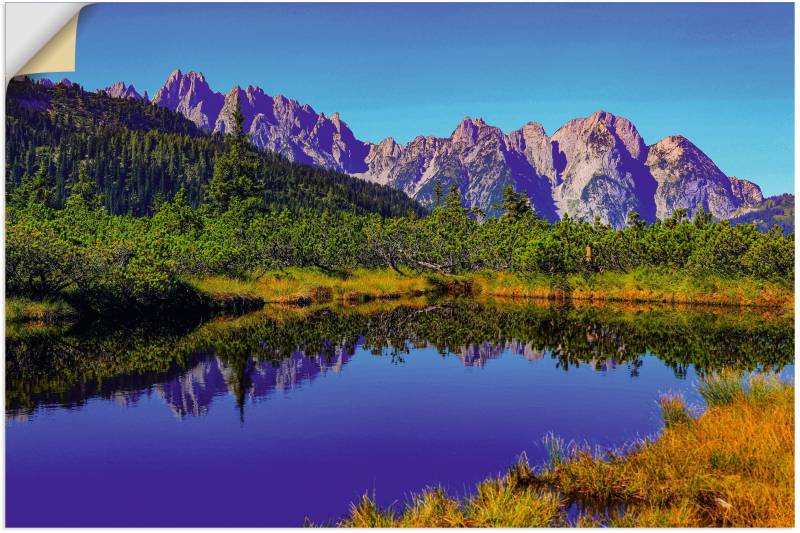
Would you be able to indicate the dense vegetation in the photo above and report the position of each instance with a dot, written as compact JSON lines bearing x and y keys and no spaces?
{"x":137,"y":261}
{"x":773,"y":211}
{"x":85,"y":171}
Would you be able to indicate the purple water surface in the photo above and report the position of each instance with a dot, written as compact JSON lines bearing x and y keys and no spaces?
{"x":314,"y":435}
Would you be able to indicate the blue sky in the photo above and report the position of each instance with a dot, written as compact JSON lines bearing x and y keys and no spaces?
{"x":720,"y":74}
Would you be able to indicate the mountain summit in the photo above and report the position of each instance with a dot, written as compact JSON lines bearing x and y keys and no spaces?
{"x":190,"y":95}
{"x":120,"y":90}
{"x":593,"y":167}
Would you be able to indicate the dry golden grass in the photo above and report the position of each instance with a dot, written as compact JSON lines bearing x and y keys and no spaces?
{"x":497,"y":502}
{"x":732,"y":466}
{"x":304,"y":286}
{"x":41,"y":312}
{"x":642,"y":285}
{"x":297,"y":286}
{"x":221,"y":286}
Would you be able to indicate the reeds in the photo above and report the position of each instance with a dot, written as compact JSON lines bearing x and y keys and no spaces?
{"x":728,"y":386}
{"x":497,"y":502}
{"x":732,"y":466}
{"x":674,"y":410}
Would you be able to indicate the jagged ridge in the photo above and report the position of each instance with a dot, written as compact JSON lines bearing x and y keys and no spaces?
{"x":593,"y":167}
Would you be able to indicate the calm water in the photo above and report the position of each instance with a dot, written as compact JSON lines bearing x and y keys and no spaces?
{"x":271,"y":420}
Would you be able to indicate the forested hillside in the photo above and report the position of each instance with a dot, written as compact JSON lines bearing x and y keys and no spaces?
{"x":773,"y":211}
{"x":139,"y":154}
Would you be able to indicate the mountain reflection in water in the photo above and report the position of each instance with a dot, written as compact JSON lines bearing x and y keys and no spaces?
{"x":193,"y":392}
{"x":256,"y":355}
{"x":305,"y":410}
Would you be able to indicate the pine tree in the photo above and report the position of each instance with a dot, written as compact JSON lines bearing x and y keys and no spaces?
{"x":514,"y":205}
{"x":437,"y":193}
{"x":33,"y":190}
{"x":85,"y":190}
{"x":234,"y":171}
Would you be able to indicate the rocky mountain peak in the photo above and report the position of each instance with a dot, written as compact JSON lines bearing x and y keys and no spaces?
{"x":389,"y":147}
{"x":190,"y":95}
{"x":674,"y":148}
{"x":180,"y":83}
{"x":597,"y":165}
{"x":121,"y":90}
{"x":195,"y":77}
{"x":688,"y":178}
{"x":174,"y":76}
{"x":469,"y":129}
{"x":625,"y":131}
{"x":747,"y":192}
{"x":255,"y":90}
{"x":534,"y":129}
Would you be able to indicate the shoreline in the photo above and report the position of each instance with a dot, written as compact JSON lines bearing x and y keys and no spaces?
{"x":681,"y":478}
{"x":303,"y":287}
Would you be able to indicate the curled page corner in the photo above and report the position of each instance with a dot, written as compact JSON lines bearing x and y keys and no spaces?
{"x":41,"y":37}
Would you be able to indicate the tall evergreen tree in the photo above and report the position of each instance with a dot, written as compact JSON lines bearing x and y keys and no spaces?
{"x":437,"y":193}
{"x":514,"y":205}
{"x":85,"y":190}
{"x":235,"y":172}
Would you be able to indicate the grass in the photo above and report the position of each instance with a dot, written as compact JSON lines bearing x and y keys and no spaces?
{"x":640,"y":285}
{"x":731,"y":466}
{"x":305,"y":286}
{"x":674,"y":410}
{"x":498,"y":502}
{"x":20,"y":310}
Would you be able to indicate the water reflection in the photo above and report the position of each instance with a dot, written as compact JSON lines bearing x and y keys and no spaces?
{"x":304,"y":410}
{"x":256,"y":355}
{"x":193,"y":392}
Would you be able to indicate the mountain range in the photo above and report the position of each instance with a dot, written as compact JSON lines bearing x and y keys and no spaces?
{"x":593,"y":167}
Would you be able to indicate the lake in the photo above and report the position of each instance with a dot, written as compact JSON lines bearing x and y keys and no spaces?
{"x":287,"y":416}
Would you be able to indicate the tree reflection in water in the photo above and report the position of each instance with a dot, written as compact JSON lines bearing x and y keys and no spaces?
{"x":252,"y":356}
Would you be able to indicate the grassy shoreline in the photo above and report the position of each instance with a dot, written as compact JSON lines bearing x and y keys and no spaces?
{"x":731,"y":466}
{"x":641,"y":285}
{"x":303,"y":286}
{"x":24,"y":310}
{"x":295,"y":286}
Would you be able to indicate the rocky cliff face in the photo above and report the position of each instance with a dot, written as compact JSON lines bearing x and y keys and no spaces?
{"x":120,"y":90}
{"x":747,"y":192}
{"x":274,"y":123}
{"x":190,"y":95}
{"x":688,"y":178}
{"x":593,"y":167}
{"x":600,"y":170}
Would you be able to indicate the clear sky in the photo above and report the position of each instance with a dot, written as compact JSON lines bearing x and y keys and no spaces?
{"x":720,"y":74}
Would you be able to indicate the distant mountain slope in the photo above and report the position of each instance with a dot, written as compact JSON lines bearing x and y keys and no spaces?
{"x":775,"y":210}
{"x":597,"y":166}
{"x":138,"y":152}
